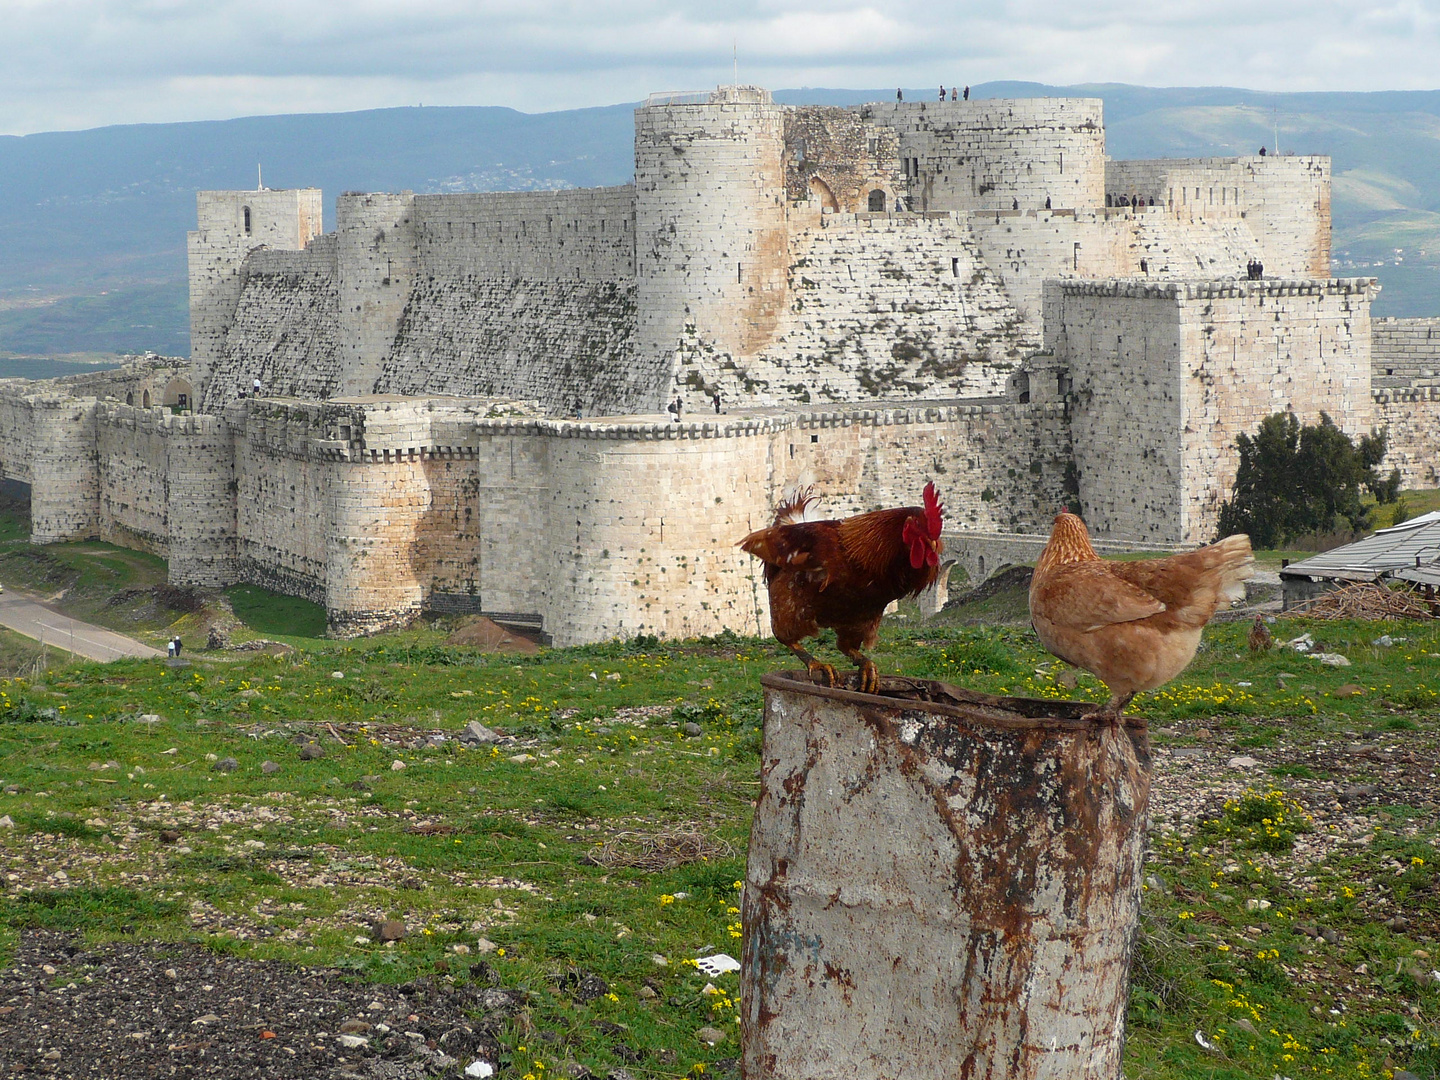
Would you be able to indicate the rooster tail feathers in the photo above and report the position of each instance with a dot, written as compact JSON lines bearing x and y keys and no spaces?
{"x":1234,"y":564}
{"x":795,"y":504}
{"x":763,"y":544}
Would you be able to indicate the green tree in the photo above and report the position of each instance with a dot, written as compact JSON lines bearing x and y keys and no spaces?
{"x":1296,"y":479}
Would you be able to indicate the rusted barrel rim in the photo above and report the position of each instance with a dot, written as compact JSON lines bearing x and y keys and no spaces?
{"x":917,"y":695}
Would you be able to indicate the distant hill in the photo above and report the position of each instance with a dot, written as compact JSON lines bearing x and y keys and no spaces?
{"x":92,"y":231}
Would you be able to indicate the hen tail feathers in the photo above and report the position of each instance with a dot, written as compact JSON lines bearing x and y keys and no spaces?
{"x":1232,"y":563}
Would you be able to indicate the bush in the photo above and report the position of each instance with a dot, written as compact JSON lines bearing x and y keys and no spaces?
{"x":1296,"y":479}
{"x":1268,"y":821}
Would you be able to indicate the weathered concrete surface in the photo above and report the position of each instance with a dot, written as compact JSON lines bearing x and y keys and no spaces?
{"x":940,"y":888}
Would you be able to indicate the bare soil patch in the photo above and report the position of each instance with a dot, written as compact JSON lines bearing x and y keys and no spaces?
{"x":180,"y":1010}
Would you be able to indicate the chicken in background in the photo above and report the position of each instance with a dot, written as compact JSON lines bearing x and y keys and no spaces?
{"x":1133,"y":625}
{"x":843,"y":574}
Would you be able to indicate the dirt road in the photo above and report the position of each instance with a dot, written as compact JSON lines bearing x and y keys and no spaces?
{"x":34,"y":620}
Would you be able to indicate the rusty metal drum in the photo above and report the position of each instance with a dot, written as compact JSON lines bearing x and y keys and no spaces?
{"x":940,"y":883}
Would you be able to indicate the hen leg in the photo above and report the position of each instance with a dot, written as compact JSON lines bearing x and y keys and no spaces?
{"x":819,"y":670}
{"x":869,"y":673}
{"x":1112,"y":709}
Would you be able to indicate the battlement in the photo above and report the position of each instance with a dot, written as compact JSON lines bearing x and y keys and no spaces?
{"x":721,"y":95}
{"x":1218,"y":289}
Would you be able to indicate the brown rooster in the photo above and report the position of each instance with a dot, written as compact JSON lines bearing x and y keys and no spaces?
{"x":1134,"y":625}
{"x":843,"y":574}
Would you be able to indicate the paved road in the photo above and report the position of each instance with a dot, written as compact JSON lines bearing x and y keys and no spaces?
{"x":39,"y":622}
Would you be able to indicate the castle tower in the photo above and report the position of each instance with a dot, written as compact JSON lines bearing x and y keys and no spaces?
{"x":230,"y":225}
{"x":375,"y":237}
{"x":999,"y":153}
{"x":710,"y":235}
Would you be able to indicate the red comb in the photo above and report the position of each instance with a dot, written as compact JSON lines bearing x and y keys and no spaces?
{"x":933,"y":511}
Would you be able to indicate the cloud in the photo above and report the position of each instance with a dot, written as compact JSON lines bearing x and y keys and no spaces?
{"x":72,"y":63}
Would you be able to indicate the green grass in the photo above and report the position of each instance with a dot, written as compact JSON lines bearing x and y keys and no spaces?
{"x":341,"y":845}
{"x":272,"y":613}
{"x":1414,"y":504}
{"x":25,"y":657}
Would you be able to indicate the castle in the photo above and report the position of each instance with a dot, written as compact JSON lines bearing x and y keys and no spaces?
{"x":463,"y":396}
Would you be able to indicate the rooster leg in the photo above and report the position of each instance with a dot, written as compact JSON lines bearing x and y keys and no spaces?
{"x":820,"y":671}
{"x":869,"y":673}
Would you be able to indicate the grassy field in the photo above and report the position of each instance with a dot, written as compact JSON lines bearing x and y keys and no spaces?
{"x":600,"y":837}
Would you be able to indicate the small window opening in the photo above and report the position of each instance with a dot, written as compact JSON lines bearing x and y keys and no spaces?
{"x":814,"y":438}
{"x":247,"y":221}
{"x":877,"y":201}
{"x":954,"y":267}
{"x":145,"y":400}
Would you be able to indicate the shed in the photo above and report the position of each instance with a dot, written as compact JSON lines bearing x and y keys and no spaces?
{"x":1409,"y":551}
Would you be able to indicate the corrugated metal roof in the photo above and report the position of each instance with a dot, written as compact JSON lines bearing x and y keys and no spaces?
{"x":1425,"y":575}
{"x":1387,"y":551}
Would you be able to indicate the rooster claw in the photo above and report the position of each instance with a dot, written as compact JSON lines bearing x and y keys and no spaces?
{"x":823,"y":674}
{"x":868,"y":678}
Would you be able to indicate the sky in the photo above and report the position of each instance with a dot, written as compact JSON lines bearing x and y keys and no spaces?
{"x":71,"y":64}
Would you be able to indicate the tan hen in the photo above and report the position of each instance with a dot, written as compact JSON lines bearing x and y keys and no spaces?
{"x":1134,"y":625}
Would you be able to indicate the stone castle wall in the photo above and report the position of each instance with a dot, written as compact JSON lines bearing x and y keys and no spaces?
{"x":1411,"y":419}
{"x":838,"y":161}
{"x":132,"y":458}
{"x":630,"y":528}
{"x":1285,"y":201}
{"x":1029,"y":247}
{"x":1166,"y":376}
{"x":285,"y":330}
{"x":585,"y":235}
{"x":560,"y":342}
{"x":1405,"y":348}
{"x":229,"y":226}
{"x":281,"y":493}
{"x":994,"y":153}
{"x":880,"y":305}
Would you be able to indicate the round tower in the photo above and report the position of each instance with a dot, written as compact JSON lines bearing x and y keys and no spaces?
{"x":710,"y":238}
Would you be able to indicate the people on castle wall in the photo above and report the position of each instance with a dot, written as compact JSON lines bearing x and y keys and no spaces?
{"x":967,"y":93}
{"x":954,"y":93}
{"x":942,"y":91}
{"x":899,"y":94}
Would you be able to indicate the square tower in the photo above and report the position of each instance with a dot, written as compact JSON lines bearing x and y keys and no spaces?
{"x":230,"y":225}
